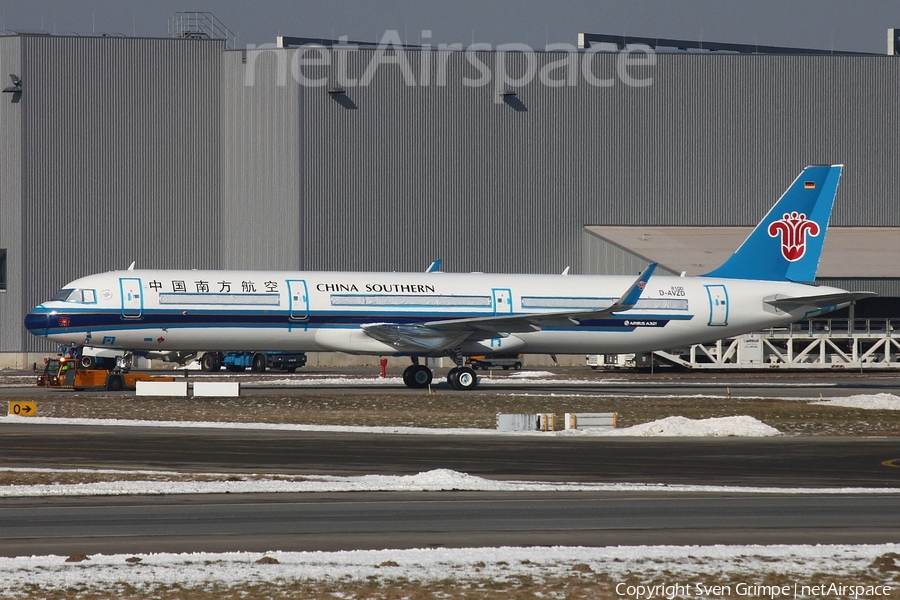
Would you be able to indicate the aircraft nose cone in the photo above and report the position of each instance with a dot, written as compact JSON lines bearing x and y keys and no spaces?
{"x":36,"y":322}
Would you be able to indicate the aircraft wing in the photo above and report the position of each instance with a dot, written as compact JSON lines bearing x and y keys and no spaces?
{"x":447,"y":333}
{"x":414,"y":338}
{"x":788,"y":303}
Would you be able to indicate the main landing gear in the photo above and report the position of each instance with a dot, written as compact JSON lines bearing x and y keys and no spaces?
{"x":460,"y":377}
{"x":417,"y":376}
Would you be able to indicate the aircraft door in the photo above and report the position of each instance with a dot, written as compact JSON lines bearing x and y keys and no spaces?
{"x":718,"y":304}
{"x":132,"y":298}
{"x":502,"y":301}
{"x":299,"y":299}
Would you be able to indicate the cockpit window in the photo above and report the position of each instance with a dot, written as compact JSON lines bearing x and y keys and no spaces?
{"x":76,"y":296}
{"x":62,"y":296}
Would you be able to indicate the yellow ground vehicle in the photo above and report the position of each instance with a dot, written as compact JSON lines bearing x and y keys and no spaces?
{"x":68,"y":372}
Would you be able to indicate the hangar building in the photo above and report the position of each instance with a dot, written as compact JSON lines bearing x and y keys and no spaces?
{"x":183,"y":152}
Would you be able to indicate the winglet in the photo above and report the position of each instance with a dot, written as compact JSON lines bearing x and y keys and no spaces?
{"x":631,"y":296}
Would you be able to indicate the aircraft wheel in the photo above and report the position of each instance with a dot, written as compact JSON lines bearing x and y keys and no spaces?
{"x":259,"y":363}
{"x":417,"y":376}
{"x":451,"y":377}
{"x":421,"y":376}
{"x":464,"y":379}
{"x":407,"y":376}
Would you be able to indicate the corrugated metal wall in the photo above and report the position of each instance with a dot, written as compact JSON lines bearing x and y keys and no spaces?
{"x":888,"y":288}
{"x":392,"y":175}
{"x":262,"y":196}
{"x":12,"y":334}
{"x":449,"y":172}
{"x":120,"y":157}
{"x":600,"y":256}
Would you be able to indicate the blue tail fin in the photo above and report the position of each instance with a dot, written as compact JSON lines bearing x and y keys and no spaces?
{"x":787,"y":243}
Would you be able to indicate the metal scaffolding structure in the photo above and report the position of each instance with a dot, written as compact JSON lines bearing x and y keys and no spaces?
{"x":201,"y":25}
{"x":825,"y":344}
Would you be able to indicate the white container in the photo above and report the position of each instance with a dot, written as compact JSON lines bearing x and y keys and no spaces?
{"x":518,"y":422}
{"x":218,"y":389}
{"x":161,"y":388}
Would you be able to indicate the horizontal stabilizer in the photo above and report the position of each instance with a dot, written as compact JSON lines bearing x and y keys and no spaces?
{"x":788,"y":303}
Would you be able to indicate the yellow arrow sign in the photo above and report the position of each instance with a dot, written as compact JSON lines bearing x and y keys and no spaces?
{"x":22,"y":409}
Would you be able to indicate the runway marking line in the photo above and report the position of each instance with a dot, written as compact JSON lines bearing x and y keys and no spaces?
{"x":892,"y":463}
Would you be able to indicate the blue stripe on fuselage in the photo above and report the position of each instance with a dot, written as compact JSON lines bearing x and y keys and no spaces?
{"x":173,"y":319}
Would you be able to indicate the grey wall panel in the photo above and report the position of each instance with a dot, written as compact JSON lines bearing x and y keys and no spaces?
{"x":12,"y":309}
{"x":889,"y":288}
{"x":120,"y":156}
{"x":601,"y":257}
{"x":448,"y":173}
{"x":261,"y":195}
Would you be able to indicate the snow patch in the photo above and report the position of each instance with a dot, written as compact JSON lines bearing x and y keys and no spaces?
{"x":866,"y":401}
{"x":437,"y":480}
{"x":740,"y":426}
{"x":530,"y":374}
{"x":204,"y":570}
{"x":319,"y":380}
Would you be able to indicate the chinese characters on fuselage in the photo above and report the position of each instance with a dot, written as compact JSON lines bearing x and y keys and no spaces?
{"x":221,"y":287}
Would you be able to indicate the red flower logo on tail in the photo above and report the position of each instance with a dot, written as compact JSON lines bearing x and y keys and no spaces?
{"x":793,"y":229}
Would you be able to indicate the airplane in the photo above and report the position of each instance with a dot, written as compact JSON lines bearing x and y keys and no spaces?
{"x":417,"y":315}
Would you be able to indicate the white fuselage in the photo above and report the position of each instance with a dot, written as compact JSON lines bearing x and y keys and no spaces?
{"x":171,"y":310}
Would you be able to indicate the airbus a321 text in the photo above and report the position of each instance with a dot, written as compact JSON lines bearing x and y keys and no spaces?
{"x":763,"y":284}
